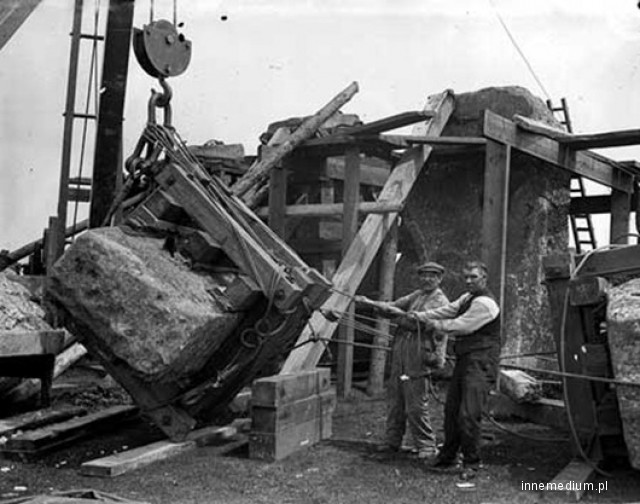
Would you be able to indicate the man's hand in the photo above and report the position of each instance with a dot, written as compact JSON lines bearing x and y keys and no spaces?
{"x":410,"y":320}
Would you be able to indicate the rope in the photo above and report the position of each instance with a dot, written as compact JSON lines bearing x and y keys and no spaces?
{"x":520,"y":52}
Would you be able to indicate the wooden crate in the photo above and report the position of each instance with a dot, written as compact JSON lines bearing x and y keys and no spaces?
{"x":281,"y":389}
{"x":290,"y":412}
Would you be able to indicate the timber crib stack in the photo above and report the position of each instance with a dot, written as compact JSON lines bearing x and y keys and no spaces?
{"x":290,"y":412}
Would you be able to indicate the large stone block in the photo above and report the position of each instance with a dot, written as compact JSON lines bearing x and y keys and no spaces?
{"x":623,"y":332}
{"x":443,"y":218}
{"x":142,"y":305}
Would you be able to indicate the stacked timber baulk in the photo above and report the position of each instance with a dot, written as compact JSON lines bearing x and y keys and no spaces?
{"x":28,"y":343}
{"x":290,"y":412}
{"x":443,"y":218}
{"x":623,"y":331}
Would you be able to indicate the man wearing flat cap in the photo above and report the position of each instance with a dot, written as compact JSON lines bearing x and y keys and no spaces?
{"x":415,"y":352}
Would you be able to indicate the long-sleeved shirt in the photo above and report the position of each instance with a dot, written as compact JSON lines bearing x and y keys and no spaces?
{"x":482,"y":310}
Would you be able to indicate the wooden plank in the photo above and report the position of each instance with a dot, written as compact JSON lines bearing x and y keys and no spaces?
{"x":349,"y":231}
{"x":504,"y":131}
{"x":618,"y":138}
{"x":591,"y":205}
{"x":365,"y":246}
{"x":495,"y":215}
{"x":620,"y":217}
{"x":259,"y":171}
{"x":12,"y":14}
{"x":46,"y":438}
{"x":278,"y":200}
{"x":609,"y":262}
{"x":319,"y":210}
{"x":370,"y":174}
{"x":36,"y":419}
{"x":280,"y":389}
{"x":271,"y":420}
{"x":433,"y":140}
{"x":573,"y":479}
{"x":270,"y":447}
{"x":388,"y":123}
{"x":130,"y":460}
{"x":31,"y":342}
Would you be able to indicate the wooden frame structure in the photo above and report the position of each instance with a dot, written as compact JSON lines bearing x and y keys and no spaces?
{"x":501,"y":137}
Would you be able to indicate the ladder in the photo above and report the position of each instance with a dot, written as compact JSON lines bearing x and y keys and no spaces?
{"x":581,"y":224}
{"x":75,"y":190}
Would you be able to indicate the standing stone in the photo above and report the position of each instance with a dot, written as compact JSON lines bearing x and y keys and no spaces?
{"x":623,"y":332}
{"x":443,"y":218}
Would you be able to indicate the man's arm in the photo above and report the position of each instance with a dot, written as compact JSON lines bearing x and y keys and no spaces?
{"x":446,"y":311}
{"x":483,"y":310}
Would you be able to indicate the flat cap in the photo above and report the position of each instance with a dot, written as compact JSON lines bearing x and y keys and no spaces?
{"x":431,"y":266}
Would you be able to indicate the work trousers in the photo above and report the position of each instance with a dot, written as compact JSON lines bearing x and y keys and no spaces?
{"x":408,"y":400}
{"x":473,"y":377}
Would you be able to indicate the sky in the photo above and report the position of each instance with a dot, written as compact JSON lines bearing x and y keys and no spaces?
{"x":259,"y":61}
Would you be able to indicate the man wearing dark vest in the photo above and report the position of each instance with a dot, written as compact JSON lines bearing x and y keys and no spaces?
{"x":474,"y":321}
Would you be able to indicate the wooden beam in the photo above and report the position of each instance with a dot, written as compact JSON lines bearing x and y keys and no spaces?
{"x":370,"y":174}
{"x":388,"y":123}
{"x":386,"y":283}
{"x":620,"y":217}
{"x":619,"y":138}
{"x":259,"y":171}
{"x":610,"y":262}
{"x":34,"y":442}
{"x":495,"y":215}
{"x":31,"y":342}
{"x":433,"y":140}
{"x":504,"y":131}
{"x":36,"y":419}
{"x":107,"y":165}
{"x":334,"y":209}
{"x":590,"y":205}
{"x":130,"y":460}
{"x":349,"y":231}
{"x":12,"y":14}
{"x":277,"y":200}
{"x":364,"y":247}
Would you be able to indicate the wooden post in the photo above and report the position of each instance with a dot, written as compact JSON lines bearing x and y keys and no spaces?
{"x":106,"y":167}
{"x":327,"y":230}
{"x":386,"y":287}
{"x":620,"y":217}
{"x":495,"y":215}
{"x":52,"y":246}
{"x":278,"y":200}
{"x":349,"y":231}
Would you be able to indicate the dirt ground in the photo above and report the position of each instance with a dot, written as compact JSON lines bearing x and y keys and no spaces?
{"x":344,"y":469}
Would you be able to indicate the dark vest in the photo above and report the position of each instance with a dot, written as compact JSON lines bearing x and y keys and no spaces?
{"x":488,"y":336}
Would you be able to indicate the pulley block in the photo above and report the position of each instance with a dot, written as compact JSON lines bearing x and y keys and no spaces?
{"x":161,"y":50}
